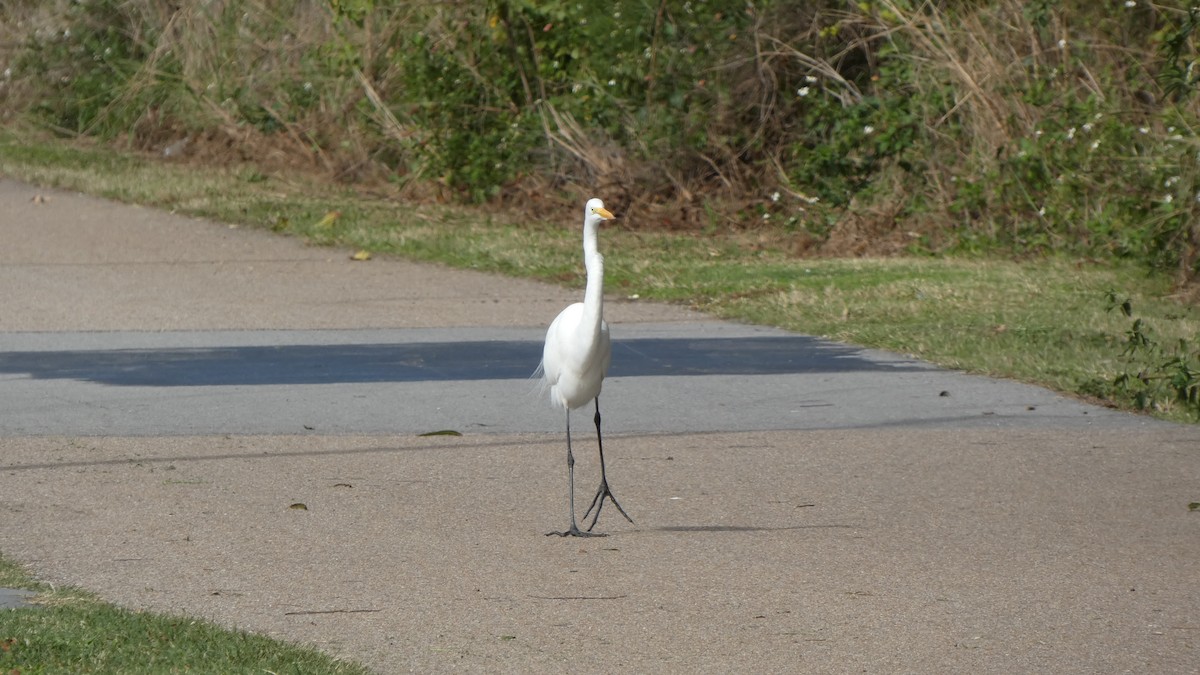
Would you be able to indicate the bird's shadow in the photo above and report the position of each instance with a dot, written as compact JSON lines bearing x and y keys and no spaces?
{"x":739,"y":528}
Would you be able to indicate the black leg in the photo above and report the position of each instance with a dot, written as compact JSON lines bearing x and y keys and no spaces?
{"x":574,"y":530}
{"x":602,"y":491}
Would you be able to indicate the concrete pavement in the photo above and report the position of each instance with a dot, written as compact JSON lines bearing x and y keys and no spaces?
{"x":172,"y":386}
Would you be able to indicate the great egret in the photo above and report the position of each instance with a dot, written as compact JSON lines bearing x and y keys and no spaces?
{"x":575,"y":360}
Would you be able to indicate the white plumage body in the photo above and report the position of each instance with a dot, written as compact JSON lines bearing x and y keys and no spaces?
{"x":576,"y":357}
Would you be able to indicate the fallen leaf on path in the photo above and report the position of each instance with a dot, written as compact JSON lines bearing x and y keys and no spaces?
{"x":361,"y":255}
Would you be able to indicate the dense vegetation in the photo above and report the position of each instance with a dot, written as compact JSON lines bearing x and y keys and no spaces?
{"x":857,"y":127}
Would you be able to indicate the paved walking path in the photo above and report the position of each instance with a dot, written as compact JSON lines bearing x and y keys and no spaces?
{"x":172,"y":386}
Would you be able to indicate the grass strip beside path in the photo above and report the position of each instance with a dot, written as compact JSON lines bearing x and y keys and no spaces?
{"x":71,"y":631}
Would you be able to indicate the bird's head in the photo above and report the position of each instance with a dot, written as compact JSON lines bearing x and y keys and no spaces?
{"x":595,"y":210}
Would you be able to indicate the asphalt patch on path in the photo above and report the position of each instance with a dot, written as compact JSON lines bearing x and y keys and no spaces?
{"x":431,"y":361}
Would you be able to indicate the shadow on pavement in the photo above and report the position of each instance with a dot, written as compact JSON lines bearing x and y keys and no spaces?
{"x":432,"y":361}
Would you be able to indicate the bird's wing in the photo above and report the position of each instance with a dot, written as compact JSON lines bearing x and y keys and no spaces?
{"x":559,"y":345}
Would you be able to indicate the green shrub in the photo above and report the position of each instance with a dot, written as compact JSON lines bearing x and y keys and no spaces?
{"x":89,"y":69}
{"x":516,"y":87}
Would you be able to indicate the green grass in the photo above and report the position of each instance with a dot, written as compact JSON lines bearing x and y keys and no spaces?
{"x":71,"y":631}
{"x":1044,"y":321}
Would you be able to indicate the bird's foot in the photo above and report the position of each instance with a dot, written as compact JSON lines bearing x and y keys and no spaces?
{"x":598,"y":503}
{"x":576,"y":532}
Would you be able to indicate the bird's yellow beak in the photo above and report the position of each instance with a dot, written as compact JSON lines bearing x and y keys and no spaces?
{"x":603,"y":213}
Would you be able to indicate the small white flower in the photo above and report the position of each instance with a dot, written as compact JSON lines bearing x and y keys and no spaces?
{"x":802,"y":91}
{"x":1131,"y":3}
{"x":1042,"y":212}
{"x":868,"y":130}
{"x":612,"y":83}
{"x":1095,"y":144}
{"x":1062,"y":44}
{"x":1167,"y":199}
{"x":811,"y":79}
{"x":775,"y":196}
{"x":1038,"y":133}
{"x":308,"y":86}
{"x":1071,"y":133}
{"x":1170,"y":181}
{"x":812,"y":200}
{"x":7,"y":73}
{"x":1087,"y":128}
{"x":766,"y":216}
{"x":576,"y":87}
{"x":1143,"y":130}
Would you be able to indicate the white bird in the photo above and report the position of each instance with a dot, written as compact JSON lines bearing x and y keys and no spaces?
{"x":575,"y":360}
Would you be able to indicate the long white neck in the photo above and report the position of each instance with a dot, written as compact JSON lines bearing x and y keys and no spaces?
{"x":593,"y":295}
